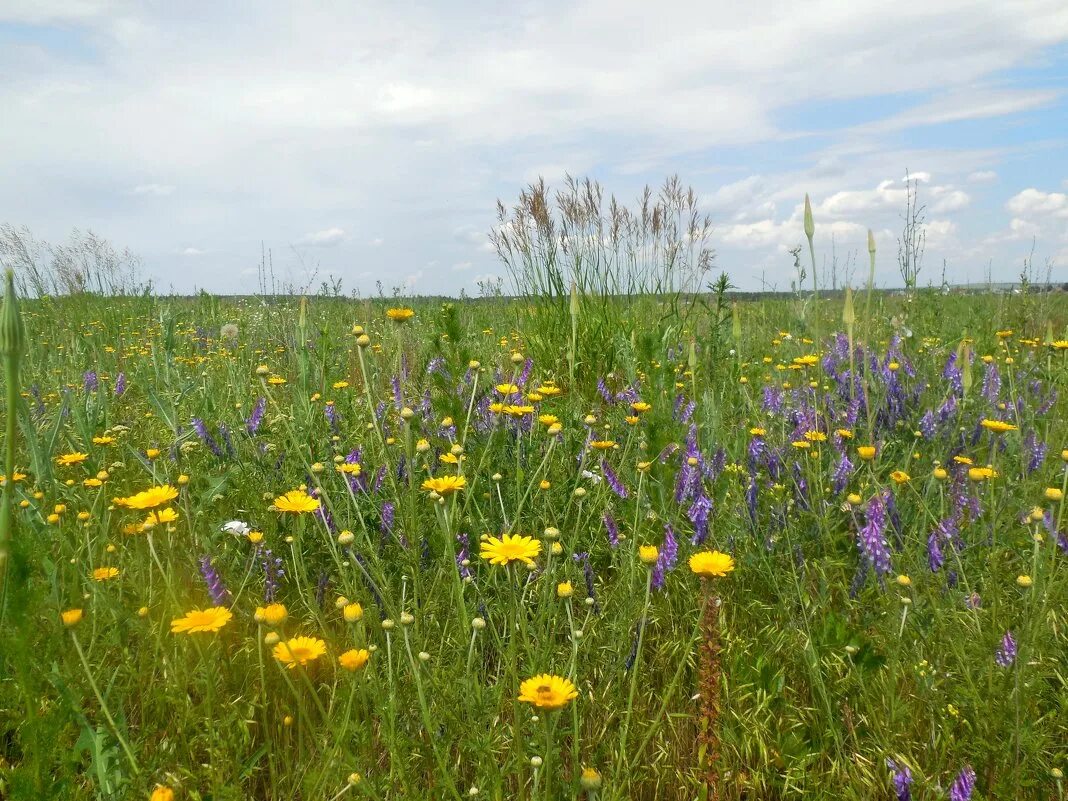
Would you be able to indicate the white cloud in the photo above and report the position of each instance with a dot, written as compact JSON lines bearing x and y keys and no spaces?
{"x":414,"y":123}
{"x":192,"y":252}
{"x":152,"y":190}
{"x":948,"y":199}
{"x":982,"y":176}
{"x":1036,"y":203}
{"x":377,"y":242}
{"x":462,"y":266}
{"x":328,"y":237}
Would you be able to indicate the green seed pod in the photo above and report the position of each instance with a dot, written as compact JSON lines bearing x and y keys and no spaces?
{"x":810,"y":226}
{"x":12,"y":330}
{"x":848,"y":315}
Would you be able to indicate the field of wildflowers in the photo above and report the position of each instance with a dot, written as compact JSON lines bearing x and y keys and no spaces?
{"x":281,"y":548}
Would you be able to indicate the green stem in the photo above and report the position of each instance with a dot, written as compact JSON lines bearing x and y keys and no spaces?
{"x":104,"y":707}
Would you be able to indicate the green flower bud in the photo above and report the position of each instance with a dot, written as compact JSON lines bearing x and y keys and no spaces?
{"x":12,"y":330}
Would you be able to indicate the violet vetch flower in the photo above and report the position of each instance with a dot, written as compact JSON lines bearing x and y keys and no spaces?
{"x":320,"y":589}
{"x":842,"y":472}
{"x":216,"y":589}
{"x":462,"y":557}
{"x":205,"y":436}
{"x":120,"y":385}
{"x":252,"y":424}
{"x":872,"y":537}
{"x":668,"y":558}
{"x":902,"y":779}
{"x":991,"y":389}
{"x":963,"y":785}
{"x":612,"y":529}
{"x":92,"y":383}
{"x":332,"y":417}
{"x":1005,"y":655}
{"x":698,"y":513}
{"x":386,"y":524}
{"x":224,"y":435}
{"x":613,"y":480}
{"x":1036,"y":451}
{"x":273,"y":573}
{"x":587,"y":572}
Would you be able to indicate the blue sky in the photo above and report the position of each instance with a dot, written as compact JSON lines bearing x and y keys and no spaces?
{"x":371,"y":141}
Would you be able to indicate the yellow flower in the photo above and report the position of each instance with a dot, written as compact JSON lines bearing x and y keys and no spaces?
{"x":981,"y":473}
{"x":565,"y":589}
{"x":149,"y":498}
{"x":340,"y":384}
{"x":162,"y":793}
{"x":641,"y":406}
{"x":510,"y":548}
{"x":507,"y":389}
{"x":1024,"y":581}
{"x":844,"y":433}
{"x":866,"y":452}
{"x":354,"y":659}
{"x":152,"y":453}
{"x":711,"y":563}
{"x":272,"y":614}
{"x":67,"y":459}
{"x":349,"y":468}
{"x":900,"y":477}
{"x":997,"y":426}
{"x":352,"y":613}
{"x":16,"y":476}
{"x":547,"y":691}
{"x":648,"y":554}
{"x":71,"y":617}
{"x":815,"y":436}
{"x":590,"y":780}
{"x":548,"y":419}
{"x":296,"y":502}
{"x":197,"y":620}
{"x":276,"y":381}
{"x":757,"y":431}
{"x":446,"y":485}
{"x":299,"y":651}
{"x":801,"y":444}
{"x":105,"y":573}
{"x":399,"y":315}
{"x":1053,"y":494}
{"x":168,"y":515}
{"x":603,"y":444}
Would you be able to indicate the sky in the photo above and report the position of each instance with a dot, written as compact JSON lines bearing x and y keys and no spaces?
{"x":370,"y":142}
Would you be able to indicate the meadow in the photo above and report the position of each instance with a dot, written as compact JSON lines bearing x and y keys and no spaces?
{"x":576,"y":547}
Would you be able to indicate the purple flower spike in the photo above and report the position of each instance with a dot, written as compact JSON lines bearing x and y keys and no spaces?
{"x":1005,"y":655}
{"x":902,"y":779}
{"x":216,"y":589}
{"x":963,"y":785}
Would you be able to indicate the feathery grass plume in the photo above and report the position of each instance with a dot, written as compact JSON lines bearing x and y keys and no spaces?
{"x":12,"y":348}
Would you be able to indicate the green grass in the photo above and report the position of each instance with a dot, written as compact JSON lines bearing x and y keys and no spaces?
{"x":806,"y":691}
